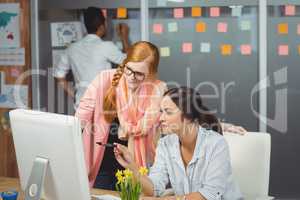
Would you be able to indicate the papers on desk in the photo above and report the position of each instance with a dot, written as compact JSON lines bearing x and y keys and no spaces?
{"x":105,"y":197}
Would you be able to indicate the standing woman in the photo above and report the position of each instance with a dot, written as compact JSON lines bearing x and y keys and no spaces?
{"x":122,"y":105}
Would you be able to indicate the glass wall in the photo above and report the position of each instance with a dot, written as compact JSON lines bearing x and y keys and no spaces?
{"x":284,"y":96}
{"x":212,"y":47}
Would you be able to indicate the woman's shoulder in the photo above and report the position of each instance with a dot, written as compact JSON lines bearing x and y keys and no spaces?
{"x":160,"y":87}
{"x":168,"y":140}
{"x":212,"y":138}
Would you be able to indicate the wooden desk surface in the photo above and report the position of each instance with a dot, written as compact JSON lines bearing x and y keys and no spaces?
{"x":13,"y":183}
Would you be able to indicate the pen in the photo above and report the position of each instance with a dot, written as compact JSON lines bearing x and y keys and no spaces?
{"x":107,"y":144}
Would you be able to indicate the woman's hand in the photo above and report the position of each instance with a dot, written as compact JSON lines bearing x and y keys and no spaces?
{"x":227,"y":127}
{"x":124,"y":157}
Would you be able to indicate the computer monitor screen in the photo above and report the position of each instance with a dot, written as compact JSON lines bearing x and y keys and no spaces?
{"x":57,"y":138}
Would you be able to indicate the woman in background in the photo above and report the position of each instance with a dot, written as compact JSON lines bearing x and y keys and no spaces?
{"x":193,"y":157}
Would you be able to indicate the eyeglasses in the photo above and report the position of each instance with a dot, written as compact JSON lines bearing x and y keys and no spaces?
{"x":137,"y":75}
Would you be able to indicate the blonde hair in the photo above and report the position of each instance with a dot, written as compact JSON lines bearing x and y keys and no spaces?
{"x":138,"y":52}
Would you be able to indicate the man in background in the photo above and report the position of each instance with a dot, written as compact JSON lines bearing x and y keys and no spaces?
{"x":90,"y":55}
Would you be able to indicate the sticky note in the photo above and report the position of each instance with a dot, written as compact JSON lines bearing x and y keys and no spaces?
{"x":299,"y":49}
{"x":104,"y":12}
{"x":298,"y":29}
{"x":157,"y":28}
{"x":15,"y":72}
{"x":205,"y":47}
{"x":161,"y":3}
{"x":226,"y":49}
{"x":290,"y":10}
{"x":178,"y":13}
{"x":283,"y":28}
{"x":172,"y":27}
{"x":246,"y":49}
{"x":222,"y":27}
{"x":187,"y":47}
{"x":196,"y":11}
{"x":214,"y":11}
{"x":283,"y":50}
{"x":245,"y":25}
{"x":200,"y":27}
{"x":236,"y":11}
{"x":122,"y":12}
{"x":164,"y":51}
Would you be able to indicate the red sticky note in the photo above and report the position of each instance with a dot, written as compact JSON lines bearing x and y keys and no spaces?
{"x":214,"y":11}
{"x":246,"y":49}
{"x":222,"y":27}
{"x":283,"y":50}
{"x":187,"y":47}
{"x":298,"y":29}
{"x":178,"y":12}
{"x":290,"y":10}
{"x":157,"y":28}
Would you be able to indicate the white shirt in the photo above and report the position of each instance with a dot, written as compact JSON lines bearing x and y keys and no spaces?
{"x":209,"y":171}
{"x":86,"y":58}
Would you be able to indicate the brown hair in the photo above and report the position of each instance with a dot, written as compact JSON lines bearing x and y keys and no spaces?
{"x":190,"y":103}
{"x":138,"y":52}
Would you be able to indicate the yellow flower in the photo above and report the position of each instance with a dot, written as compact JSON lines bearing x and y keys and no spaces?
{"x":128,"y":173}
{"x":143,"y":171}
{"x":119,"y":176}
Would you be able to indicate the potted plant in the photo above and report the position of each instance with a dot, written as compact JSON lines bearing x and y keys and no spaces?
{"x":128,"y":186}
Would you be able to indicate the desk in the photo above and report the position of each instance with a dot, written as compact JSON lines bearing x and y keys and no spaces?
{"x":13,"y":183}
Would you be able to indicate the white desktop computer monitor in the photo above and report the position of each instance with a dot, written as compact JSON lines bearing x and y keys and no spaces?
{"x":50,"y":155}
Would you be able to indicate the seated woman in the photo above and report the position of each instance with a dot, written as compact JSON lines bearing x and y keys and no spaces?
{"x":193,"y":157}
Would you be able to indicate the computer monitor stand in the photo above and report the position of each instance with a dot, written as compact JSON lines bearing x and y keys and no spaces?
{"x":35,"y":182}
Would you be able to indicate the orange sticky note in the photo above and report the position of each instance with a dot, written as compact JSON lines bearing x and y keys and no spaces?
{"x":298,"y":29}
{"x":214,"y":11}
{"x":122,"y":12}
{"x":226,"y":49}
{"x":196,"y":12}
{"x":246,"y":49}
{"x":178,"y":12}
{"x":222,"y":27}
{"x":187,"y":47}
{"x":290,"y":10}
{"x":104,"y":12}
{"x":200,"y":27}
{"x":299,"y":49}
{"x":283,"y":50}
{"x":283,"y":28}
{"x":157,"y":28}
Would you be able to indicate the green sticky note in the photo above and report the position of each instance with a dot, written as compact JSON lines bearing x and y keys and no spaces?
{"x":172,"y":27}
{"x":245,"y":25}
{"x":164,"y":51}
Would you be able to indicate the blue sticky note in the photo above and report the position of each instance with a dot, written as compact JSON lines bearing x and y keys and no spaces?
{"x":236,"y":11}
{"x":205,"y":47}
{"x":172,"y":27}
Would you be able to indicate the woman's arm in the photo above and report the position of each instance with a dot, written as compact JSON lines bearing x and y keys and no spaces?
{"x":125,"y":158}
{"x":191,"y":196}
